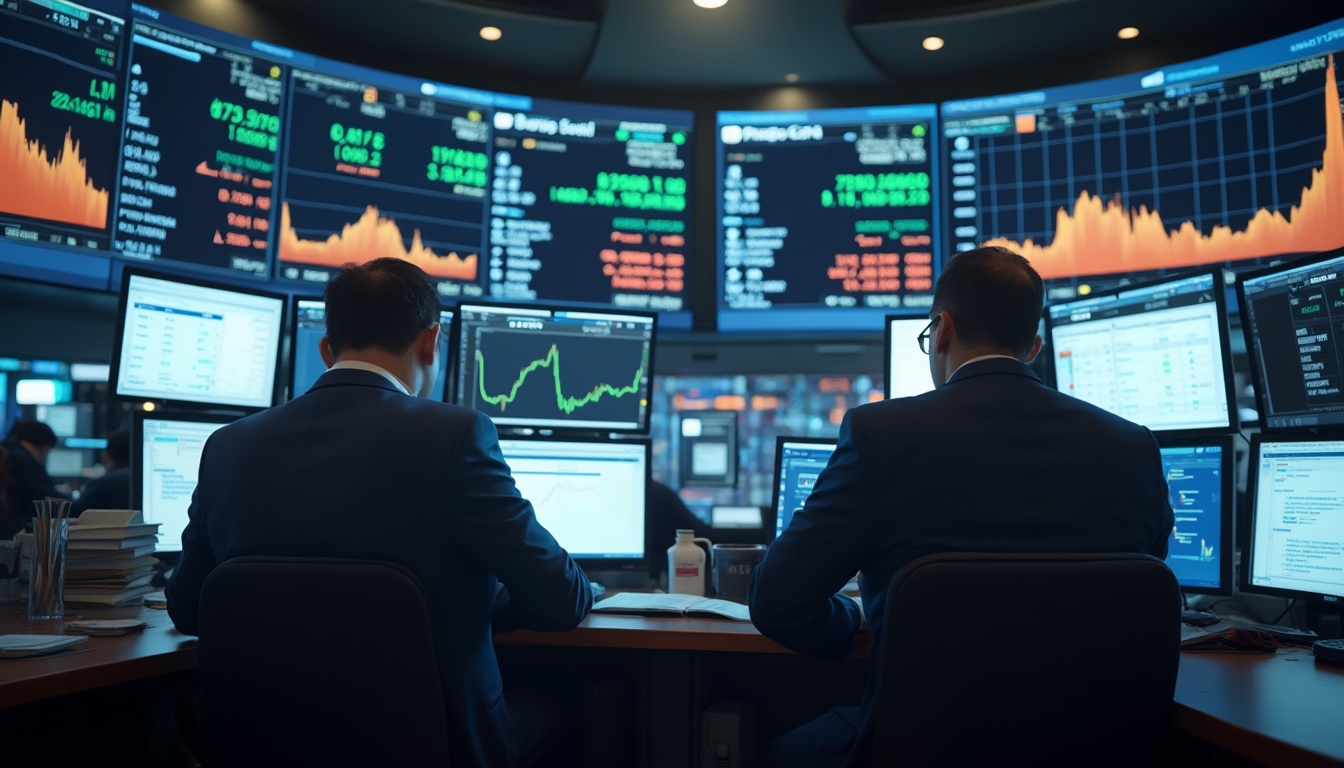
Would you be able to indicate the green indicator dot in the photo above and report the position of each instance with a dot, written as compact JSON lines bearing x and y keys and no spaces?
{"x":919,"y":130}
{"x":678,"y":138}
{"x":622,"y":134}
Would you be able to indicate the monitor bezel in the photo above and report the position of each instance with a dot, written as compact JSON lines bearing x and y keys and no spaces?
{"x":119,"y":332}
{"x":890,"y":372}
{"x":1246,"y":531}
{"x":1257,"y":371}
{"x":138,"y":418}
{"x":592,"y":564}
{"x":780,"y":440}
{"x":1224,"y":344}
{"x":1226,"y":512}
{"x":460,"y":362}
{"x":447,"y":365}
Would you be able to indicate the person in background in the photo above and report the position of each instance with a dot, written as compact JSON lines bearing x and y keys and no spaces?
{"x":26,"y":448}
{"x":113,"y":489}
{"x":992,"y":460}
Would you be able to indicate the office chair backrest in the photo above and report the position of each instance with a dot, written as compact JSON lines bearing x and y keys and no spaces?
{"x":1069,"y":659}
{"x":322,"y":662}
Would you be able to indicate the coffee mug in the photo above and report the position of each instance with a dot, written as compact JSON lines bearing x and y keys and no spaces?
{"x":733,"y":564}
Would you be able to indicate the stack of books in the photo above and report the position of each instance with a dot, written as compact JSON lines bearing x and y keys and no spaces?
{"x":109,"y":558}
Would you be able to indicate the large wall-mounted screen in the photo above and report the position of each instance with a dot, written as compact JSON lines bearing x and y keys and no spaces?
{"x":827,"y":219}
{"x":1233,"y":159}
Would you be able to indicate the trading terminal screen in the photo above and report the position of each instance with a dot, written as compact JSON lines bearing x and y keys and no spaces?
{"x":170,"y":458}
{"x":799,"y":464}
{"x":826,"y":218}
{"x":1297,"y":518}
{"x":186,"y":342}
{"x":1228,"y":160}
{"x":1157,"y":355}
{"x":554,"y":368}
{"x":1293,"y":317}
{"x":1195,"y":479}
{"x":590,"y":495}
{"x":907,"y":366}
{"x":310,"y":325}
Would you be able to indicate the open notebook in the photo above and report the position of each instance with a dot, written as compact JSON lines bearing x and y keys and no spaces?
{"x":646,"y":604}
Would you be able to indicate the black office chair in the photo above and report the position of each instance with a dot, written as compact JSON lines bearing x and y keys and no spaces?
{"x":321,"y":662}
{"x":1068,"y":659}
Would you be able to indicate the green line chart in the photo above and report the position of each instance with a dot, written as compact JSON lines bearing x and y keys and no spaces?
{"x":566,"y":404}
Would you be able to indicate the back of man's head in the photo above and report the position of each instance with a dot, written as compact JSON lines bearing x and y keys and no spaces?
{"x":383,"y":304}
{"x":118,"y":448}
{"x":995,"y":298}
{"x":35,"y":433}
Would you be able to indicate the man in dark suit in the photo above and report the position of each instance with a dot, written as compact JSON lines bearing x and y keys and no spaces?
{"x":113,"y":489}
{"x":992,"y":460}
{"x":25,"y":451}
{"x":362,"y":466}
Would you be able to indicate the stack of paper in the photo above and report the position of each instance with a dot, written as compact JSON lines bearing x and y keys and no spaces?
{"x":18,"y":646}
{"x":109,"y":557}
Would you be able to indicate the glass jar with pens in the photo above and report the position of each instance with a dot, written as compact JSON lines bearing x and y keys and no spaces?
{"x":46,"y":578}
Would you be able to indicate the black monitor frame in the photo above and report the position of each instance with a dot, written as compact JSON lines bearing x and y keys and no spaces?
{"x":114,"y":373}
{"x":1246,"y":530}
{"x":460,"y":362}
{"x":780,"y":440}
{"x":886,"y":349}
{"x":1224,"y":343}
{"x":138,"y":418}
{"x":1227,"y":509}
{"x":448,"y":365}
{"x":1258,"y":378}
{"x":592,"y":564}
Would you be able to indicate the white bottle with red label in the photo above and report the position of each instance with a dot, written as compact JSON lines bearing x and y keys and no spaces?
{"x":686,"y":565}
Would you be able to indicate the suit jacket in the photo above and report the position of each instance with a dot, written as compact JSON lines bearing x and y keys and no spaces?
{"x":111,"y":491}
{"x":994,"y":461}
{"x":353,"y":468}
{"x":31,"y":483}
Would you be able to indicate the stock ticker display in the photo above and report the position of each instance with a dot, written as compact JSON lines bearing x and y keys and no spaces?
{"x":1235,"y":159}
{"x":827,"y":217}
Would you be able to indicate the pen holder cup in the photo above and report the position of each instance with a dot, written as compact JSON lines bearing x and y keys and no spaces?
{"x":46,"y":580}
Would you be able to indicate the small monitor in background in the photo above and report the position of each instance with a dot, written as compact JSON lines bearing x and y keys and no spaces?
{"x":1293,"y":318}
{"x":1297,"y":518}
{"x":907,"y":365}
{"x":165,"y":462}
{"x":549,"y":368}
{"x":190,"y":341}
{"x":65,"y":463}
{"x":798,"y":462}
{"x":63,"y":419}
{"x":1156,"y":354}
{"x":1199,"y":474}
{"x":310,"y":325}
{"x":735,"y":517}
{"x":590,"y":494}
{"x":708,"y":455}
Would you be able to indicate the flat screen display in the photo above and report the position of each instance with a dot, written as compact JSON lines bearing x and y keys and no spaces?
{"x":1297,"y":517}
{"x":1155,"y":354}
{"x":197,"y":343}
{"x":907,"y":365}
{"x":1198,"y":479}
{"x":798,"y":463}
{"x":167,"y":463}
{"x":310,"y":325}
{"x":827,"y":219}
{"x":556,"y":368}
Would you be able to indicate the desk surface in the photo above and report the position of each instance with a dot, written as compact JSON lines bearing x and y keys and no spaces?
{"x":158,"y":650}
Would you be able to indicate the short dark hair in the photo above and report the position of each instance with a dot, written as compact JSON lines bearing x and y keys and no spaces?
{"x":383,"y":303}
{"x":119,"y":447}
{"x":34,"y":432}
{"x":994,"y":295}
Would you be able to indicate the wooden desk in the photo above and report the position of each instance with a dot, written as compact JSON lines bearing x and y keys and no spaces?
{"x":158,"y":650}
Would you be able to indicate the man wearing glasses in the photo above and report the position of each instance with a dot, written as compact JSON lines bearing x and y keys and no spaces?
{"x":991,"y":460}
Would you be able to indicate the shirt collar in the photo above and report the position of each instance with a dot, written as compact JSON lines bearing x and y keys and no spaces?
{"x":360,"y":365}
{"x":978,"y":359}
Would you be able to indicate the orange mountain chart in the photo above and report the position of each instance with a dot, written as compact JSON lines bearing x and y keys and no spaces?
{"x":1107,"y":238}
{"x":370,"y":237}
{"x":56,"y":188}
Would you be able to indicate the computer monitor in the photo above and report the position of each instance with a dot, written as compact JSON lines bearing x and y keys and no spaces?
{"x":907,"y":365}
{"x":798,"y":462}
{"x":65,"y":462}
{"x":165,"y":461}
{"x":590,"y":494}
{"x":543,"y":367}
{"x":1199,"y":473}
{"x":310,"y":325}
{"x":1295,"y":536}
{"x":190,"y":341}
{"x":1156,"y":353}
{"x":1293,"y":318}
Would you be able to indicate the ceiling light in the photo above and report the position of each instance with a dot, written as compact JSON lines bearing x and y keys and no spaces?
{"x":491,"y":33}
{"x":1128,"y":33}
{"x":711,"y":3}
{"x":933,"y":43}
{"x":792,"y":77}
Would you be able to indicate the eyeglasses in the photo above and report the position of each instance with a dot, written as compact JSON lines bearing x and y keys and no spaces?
{"x":924,"y":335}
